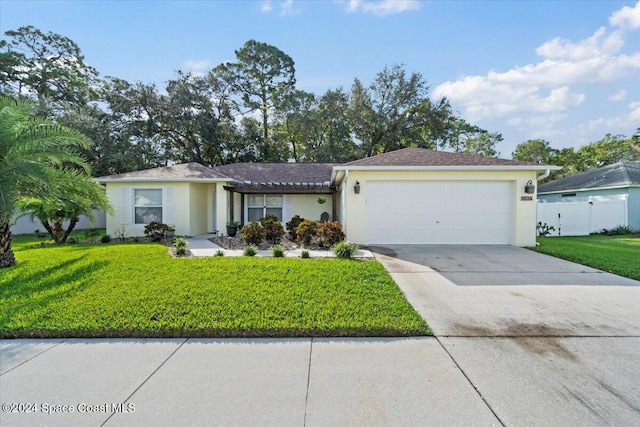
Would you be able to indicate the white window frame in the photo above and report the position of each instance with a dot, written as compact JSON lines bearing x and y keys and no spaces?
{"x":264,"y":206}
{"x":133,"y":205}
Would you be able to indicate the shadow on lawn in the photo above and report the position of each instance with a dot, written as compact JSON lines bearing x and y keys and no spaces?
{"x":36,"y":291}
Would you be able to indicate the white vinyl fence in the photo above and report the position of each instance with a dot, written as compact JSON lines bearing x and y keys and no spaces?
{"x":24,"y":225}
{"x":583,"y":218}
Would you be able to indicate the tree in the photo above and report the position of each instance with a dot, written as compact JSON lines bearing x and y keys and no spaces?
{"x":635,"y":139}
{"x":483,"y":144}
{"x":332,"y":141}
{"x":394,"y":111}
{"x":536,"y":151}
{"x":77,"y":194}
{"x":459,"y":132}
{"x":434,"y":125}
{"x":609,"y":150}
{"x":122,"y":127}
{"x":48,"y":66}
{"x":262,"y":76}
{"x":34,"y":154}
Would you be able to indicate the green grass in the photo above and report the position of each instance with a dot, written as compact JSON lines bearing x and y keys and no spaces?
{"x":616,"y":254}
{"x":138,"y":290}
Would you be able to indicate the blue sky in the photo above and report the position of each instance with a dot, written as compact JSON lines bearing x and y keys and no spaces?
{"x":564,"y":71}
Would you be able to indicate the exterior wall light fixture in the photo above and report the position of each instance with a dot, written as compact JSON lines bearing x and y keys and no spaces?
{"x":530,"y":188}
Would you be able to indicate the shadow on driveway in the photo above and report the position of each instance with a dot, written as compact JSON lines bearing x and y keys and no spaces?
{"x":495,"y":265}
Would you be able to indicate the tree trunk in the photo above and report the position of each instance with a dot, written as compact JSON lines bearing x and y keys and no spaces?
{"x":7,"y":259}
{"x":69,"y":229}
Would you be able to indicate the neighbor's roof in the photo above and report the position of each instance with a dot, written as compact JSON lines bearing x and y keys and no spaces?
{"x":293,"y":173}
{"x":181,"y":172}
{"x":621,"y":174}
{"x":422,"y":157}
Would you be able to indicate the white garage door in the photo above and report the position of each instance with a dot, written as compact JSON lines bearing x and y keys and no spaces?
{"x":439,"y":212}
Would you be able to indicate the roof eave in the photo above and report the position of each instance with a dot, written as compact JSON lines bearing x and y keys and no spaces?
{"x":449,"y":168}
{"x":201,"y":180}
{"x":582,"y":190}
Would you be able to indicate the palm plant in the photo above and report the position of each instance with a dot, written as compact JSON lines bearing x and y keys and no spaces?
{"x":79,"y":194}
{"x":35,"y":158}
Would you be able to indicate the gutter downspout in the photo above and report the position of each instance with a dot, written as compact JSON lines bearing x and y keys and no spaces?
{"x":546,"y":173}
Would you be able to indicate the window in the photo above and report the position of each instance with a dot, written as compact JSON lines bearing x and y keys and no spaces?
{"x":147,"y":205}
{"x":258,"y":205}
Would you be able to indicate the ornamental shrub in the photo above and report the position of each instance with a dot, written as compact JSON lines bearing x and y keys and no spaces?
{"x":156,"y":230}
{"x":250,"y":251}
{"x":253,"y":233}
{"x":292,"y":226}
{"x":278,"y":251}
{"x":344,"y":250}
{"x":330,"y":233}
{"x":181,"y":246}
{"x":306,"y":231}
{"x":273,"y":230}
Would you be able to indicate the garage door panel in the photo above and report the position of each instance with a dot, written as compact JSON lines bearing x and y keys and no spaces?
{"x":439,"y":212}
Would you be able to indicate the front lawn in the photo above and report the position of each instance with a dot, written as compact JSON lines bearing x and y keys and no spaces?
{"x":616,"y":254}
{"x":138,"y":290}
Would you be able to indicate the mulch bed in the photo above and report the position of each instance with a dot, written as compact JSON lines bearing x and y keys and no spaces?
{"x":236,"y":243}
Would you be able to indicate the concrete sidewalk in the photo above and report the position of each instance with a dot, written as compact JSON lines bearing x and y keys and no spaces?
{"x":235,"y":382}
{"x":201,"y":246}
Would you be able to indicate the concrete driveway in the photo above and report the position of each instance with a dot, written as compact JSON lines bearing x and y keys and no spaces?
{"x":543,"y":341}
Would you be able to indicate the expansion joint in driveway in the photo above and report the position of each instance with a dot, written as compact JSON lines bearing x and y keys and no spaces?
{"x":306,"y":398}
{"x":470,"y":382}
{"x":147,"y":379}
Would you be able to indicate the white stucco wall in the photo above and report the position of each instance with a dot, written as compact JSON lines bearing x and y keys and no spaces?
{"x":177,"y":213}
{"x":354,"y":210}
{"x":307,"y":206}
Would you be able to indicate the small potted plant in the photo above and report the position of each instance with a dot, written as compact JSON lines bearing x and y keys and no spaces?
{"x":232,"y":228}
{"x":170,"y":233}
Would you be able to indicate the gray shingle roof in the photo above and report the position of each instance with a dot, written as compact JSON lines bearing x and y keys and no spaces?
{"x":182,"y":172}
{"x":278,"y":172}
{"x":414,"y":156}
{"x":619,"y":174}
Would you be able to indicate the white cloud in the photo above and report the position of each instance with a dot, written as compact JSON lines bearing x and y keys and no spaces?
{"x":539,"y":99}
{"x":596,"y":59}
{"x":383,"y":7}
{"x":198,"y":68}
{"x":594,"y":46}
{"x":627,"y":17}
{"x":285,"y":7}
{"x":618,"y":96}
{"x":629,"y":120}
{"x":266,"y":6}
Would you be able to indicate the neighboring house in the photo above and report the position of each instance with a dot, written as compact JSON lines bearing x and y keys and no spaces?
{"x":412,"y":195}
{"x":591,"y":201}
